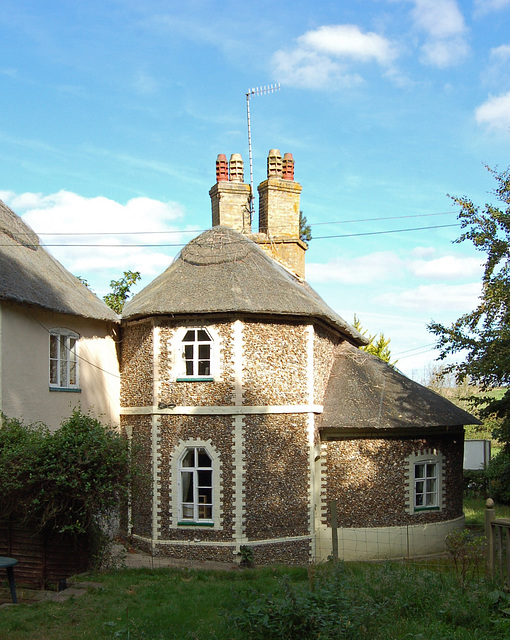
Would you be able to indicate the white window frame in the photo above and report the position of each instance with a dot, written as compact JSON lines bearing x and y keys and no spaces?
{"x":418,"y":486}
{"x":200,"y":508}
{"x":63,"y":355}
{"x":426,"y":485}
{"x":178,"y":521}
{"x":180,"y":358}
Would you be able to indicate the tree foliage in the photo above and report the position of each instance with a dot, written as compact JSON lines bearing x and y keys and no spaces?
{"x":378,"y":345}
{"x":482,"y":336}
{"x":305,"y":231}
{"x":65,"y":481}
{"x":120,"y":290}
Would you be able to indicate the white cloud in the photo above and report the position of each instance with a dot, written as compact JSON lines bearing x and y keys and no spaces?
{"x":374,"y":267}
{"x":502,"y":52}
{"x":487,"y":6}
{"x":327,"y":55}
{"x":99,"y":253}
{"x":348,"y":41}
{"x":446,"y":268}
{"x":433,"y":298}
{"x":495,"y":112}
{"x":445,"y":31}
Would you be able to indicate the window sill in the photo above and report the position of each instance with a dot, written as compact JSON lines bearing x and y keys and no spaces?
{"x":68,"y":389}
{"x":187,"y":523}
{"x":205,"y":379}
{"x":418,"y":509}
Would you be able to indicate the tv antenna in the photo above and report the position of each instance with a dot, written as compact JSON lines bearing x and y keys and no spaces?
{"x":255,"y":92}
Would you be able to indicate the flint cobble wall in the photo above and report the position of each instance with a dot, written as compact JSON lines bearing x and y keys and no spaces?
{"x":176,"y":429}
{"x":274,"y":364}
{"x":141,"y":495}
{"x":276,"y":476}
{"x":136,"y":368}
{"x":367,"y":478}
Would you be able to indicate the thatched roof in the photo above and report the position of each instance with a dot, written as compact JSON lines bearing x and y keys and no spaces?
{"x":366,"y":396}
{"x":223,"y":271}
{"x":30,"y":275}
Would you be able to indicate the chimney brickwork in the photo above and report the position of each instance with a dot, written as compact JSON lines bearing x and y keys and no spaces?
{"x":230,"y":196}
{"x":279,"y":210}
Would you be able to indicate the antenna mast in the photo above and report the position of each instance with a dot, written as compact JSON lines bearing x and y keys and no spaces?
{"x":255,"y":92}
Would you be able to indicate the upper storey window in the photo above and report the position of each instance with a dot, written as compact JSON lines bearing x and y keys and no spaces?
{"x":197,"y":354}
{"x":63,"y":359}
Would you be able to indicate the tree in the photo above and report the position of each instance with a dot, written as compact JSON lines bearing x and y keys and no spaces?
{"x":120,"y":290}
{"x":482,"y":336}
{"x":377,"y":345}
{"x":305,"y":232}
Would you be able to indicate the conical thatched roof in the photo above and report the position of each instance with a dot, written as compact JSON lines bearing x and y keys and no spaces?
{"x":223,"y":271}
{"x":30,"y":275}
{"x":366,"y":396}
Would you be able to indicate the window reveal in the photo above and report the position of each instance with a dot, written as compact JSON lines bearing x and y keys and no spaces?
{"x":426,"y":485}
{"x":196,"y":352}
{"x":196,"y":490}
{"x":63,"y":360}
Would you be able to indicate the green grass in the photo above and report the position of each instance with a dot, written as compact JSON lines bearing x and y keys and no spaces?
{"x":474,"y":511}
{"x":387,"y":601}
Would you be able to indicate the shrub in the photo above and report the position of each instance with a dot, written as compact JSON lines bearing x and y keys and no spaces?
{"x":67,"y":481}
{"x":476,"y":483}
{"x":499,"y":477}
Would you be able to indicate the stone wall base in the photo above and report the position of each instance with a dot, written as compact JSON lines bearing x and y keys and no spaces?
{"x":386,"y":542}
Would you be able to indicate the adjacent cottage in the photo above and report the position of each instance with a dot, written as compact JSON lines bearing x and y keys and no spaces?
{"x":57,"y":339}
{"x":250,"y":406}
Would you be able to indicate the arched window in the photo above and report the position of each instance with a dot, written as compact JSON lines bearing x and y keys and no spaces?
{"x":197,"y":354}
{"x":196,"y":486}
{"x":63,"y":369}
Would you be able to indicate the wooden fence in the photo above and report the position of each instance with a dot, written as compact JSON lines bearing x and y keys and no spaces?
{"x":498,"y":544}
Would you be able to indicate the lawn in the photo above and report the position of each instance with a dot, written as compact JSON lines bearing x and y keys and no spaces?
{"x":474,"y":511}
{"x":381,"y":601}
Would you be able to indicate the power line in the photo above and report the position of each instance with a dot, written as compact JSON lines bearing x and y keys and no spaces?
{"x":174,"y":231}
{"x":183,"y":244}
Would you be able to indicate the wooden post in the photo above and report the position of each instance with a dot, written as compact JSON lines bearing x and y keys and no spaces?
{"x":334,"y":530}
{"x":490,"y":516}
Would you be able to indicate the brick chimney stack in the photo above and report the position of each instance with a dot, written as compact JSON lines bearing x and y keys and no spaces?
{"x":279,"y":213}
{"x":230,"y":196}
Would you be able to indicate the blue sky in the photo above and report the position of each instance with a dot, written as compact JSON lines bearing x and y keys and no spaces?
{"x":113,"y":113}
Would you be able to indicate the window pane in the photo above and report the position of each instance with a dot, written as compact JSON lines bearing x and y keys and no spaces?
{"x":189,"y":367}
{"x":204,"y":352}
{"x":204,"y":367}
{"x":419,"y":500}
{"x":419,"y":471}
{"x":188,"y":352}
{"x":204,"y":478}
{"x":430,"y":500}
{"x":203,"y":336}
{"x":204,"y":496}
{"x":187,"y":511}
{"x":431,"y":470}
{"x":190,"y":336}
{"x":187,"y":486}
{"x":189,"y":458}
{"x":53,"y":371}
{"x":63,"y":361}
{"x":203,"y":458}
{"x":53,"y":347}
{"x":431,"y":485}
{"x":204,"y":512}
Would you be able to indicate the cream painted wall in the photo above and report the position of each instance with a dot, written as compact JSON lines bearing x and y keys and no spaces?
{"x":24,"y":367}
{"x":386,"y":542}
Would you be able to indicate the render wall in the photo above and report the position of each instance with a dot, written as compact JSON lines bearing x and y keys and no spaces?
{"x":24,"y":367}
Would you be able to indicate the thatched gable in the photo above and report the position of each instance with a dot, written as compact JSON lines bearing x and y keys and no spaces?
{"x":223,"y":271}
{"x":367,"y":397}
{"x":30,"y":275}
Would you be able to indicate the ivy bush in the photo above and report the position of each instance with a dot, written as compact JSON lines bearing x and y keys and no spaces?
{"x":499,"y":477}
{"x":66,"y":481}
